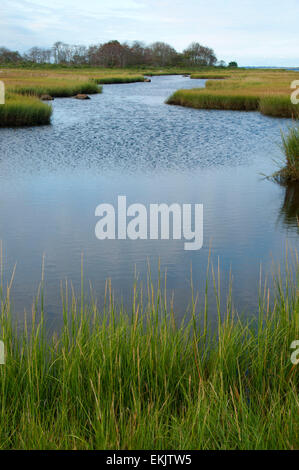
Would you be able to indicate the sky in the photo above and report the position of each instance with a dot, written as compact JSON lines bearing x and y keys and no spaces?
{"x":252,"y":32}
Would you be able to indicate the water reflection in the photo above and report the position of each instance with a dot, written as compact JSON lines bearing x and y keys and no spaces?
{"x":289,"y":214}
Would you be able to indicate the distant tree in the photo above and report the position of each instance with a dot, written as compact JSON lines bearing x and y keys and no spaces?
{"x":110,"y":54}
{"x":9,"y":57}
{"x":197,"y":55}
{"x":139,"y":54}
{"x":179,"y":60}
{"x":162,"y":54}
{"x":221,"y":63}
{"x":92,"y":54}
{"x":38,"y":55}
{"x":79,"y":55}
{"x":233,"y":64}
{"x":62,"y":53}
{"x":115,"y":54}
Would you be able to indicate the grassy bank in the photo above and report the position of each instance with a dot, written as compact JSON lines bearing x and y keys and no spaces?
{"x":113,"y":380}
{"x":265,"y":90}
{"x":278,"y":106}
{"x":58,"y":89}
{"x":23,"y":88}
{"x":290,"y":144}
{"x":58,"y":83}
{"x":118,"y":79}
{"x":193,"y":99}
{"x":268,"y":92}
{"x":24,"y":111}
{"x":209,"y":76}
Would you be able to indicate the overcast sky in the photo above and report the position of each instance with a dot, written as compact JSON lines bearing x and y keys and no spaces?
{"x":253,"y":32}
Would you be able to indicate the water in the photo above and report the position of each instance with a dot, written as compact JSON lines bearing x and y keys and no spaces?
{"x":126,"y":141}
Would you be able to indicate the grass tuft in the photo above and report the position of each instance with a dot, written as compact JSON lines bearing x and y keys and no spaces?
{"x":205,"y":100}
{"x":60,"y":90}
{"x":118,"y":79}
{"x":139,"y":380}
{"x":267,"y":91}
{"x":24,"y":111}
{"x":208,"y":76}
{"x":290,"y":145}
{"x":279,"y":106}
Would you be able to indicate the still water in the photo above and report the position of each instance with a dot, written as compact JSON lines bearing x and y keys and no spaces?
{"x":126,"y":141}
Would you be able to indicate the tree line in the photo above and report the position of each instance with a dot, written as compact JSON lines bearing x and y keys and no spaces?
{"x":114,"y":54}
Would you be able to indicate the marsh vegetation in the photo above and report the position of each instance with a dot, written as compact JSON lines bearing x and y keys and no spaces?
{"x":113,"y":379}
{"x":24,"y":111}
{"x":290,"y":145}
{"x":266,"y":91}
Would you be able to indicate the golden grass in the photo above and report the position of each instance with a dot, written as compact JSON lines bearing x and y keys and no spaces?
{"x":289,"y":173}
{"x":24,"y":85}
{"x":42,"y":78}
{"x":239,"y":89}
{"x":269,"y":89}
{"x":24,"y":111}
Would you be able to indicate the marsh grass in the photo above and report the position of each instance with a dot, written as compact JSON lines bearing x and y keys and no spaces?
{"x":290,"y":146}
{"x":22,"y":106}
{"x":209,"y":76}
{"x":24,"y":111}
{"x":118,"y":79}
{"x":279,"y":106}
{"x":58,"y":90}
{"x":113,"y":379}
{"x":239,"y":91}
{"x":266,"y":91}
{"x":194,"y":99}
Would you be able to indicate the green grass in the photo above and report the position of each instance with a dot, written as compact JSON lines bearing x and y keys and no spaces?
{"x":279,"y":106}
{"x":191,"y":98}
{"x":24,"y":111}
{"x":140,"y":380}
{"x":59,"y":91}
{"x":290,"y":145}
{"x":275,"y":106}
{"x":23,"y":108}
{"x":118,"y":79}
{"x":267,"y":91}
{"x":208,"y":76}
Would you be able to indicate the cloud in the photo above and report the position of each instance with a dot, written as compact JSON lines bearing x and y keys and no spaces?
{"x":252,"y":31}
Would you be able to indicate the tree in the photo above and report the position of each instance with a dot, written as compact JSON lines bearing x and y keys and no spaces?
{"x":197,"y":55}
{"x":115,"y":54}
{"x":9,"y":57}
{"x":162,"y":54}
{"x":38,"y":55}
{"x":79,"y":55}
{"x":111,"y":54}
{"x":62,"y":53}
{"x":233,"y":64}
{"x":139,"y":54}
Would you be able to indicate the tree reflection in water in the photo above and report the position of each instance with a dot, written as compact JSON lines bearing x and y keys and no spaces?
{"x":289,"y":213}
